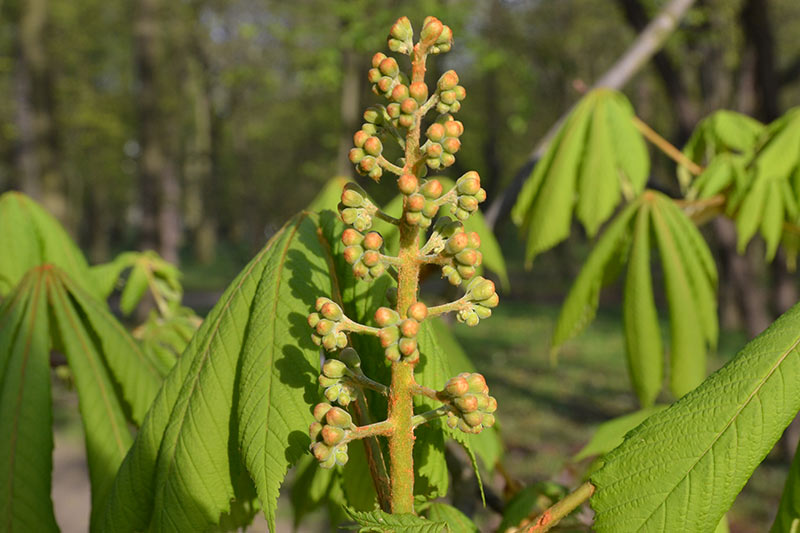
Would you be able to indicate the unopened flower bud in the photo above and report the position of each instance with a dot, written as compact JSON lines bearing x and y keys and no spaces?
{"x":356,"y":155}
{"x":399,"y":94}
{"x":466,"y":403}
{"x":341,"y":455}
{"x":481,"y":288}
{"x":388,"y":335}
{"x":468,"y":203}
{"x":324,"y":327}
{"x":456,"y":386}
{"x":407,"y":346}
{"x":465,"y":271}
{"x":331,"y":311}
{"x":431,"y":30}
{"x":418,"y":311}
{"x":321,"y":451}
{"x":371,"y":258}
{"x":338,"y":417}
{"x":418,"y":91}
{"x":353,"y":253}
{"x":435,"y":132}
{"x":407,"y":183}
{"x":377,"y":59}
{"x":373,"y":241}
{"x":388,"y":67}
{"x":401,"y":29}
{"x":447,"y":81}
{"x":373,"y":146}
{"x":409,"y":327}
{"x":314,"y":430}
{"x":313,"y":319}
{"x":447,"y":159}
{"x":453,"y":128}
{"x":386,"y":317}
{"x":415,"y":202}
{"x":473,"y":419}
{"x":332,"y":435}
{"x":477,"y":383}
{"x":351,"y":237}
{"x":469,"y":183}
{"x":491,"y":301}
{"x":456,"y":243}
{"x":432,"y":189}
{"x":333,"y":368}
{"x":320,"y":410}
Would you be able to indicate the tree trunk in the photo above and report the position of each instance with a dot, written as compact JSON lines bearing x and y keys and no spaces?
{"x":159,"y":188}
{"x":737,"y":270}
{"x":36,"y":154}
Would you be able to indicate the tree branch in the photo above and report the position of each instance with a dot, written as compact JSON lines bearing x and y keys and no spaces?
{"x":649,"y":41}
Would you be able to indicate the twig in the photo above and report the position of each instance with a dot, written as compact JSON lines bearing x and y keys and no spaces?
{"x":667,"y":147}
{"x":559,"y":510}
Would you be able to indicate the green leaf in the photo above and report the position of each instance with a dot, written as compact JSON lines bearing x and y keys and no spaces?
{"x":709,"y":442}
{"x":772,"y":221}
{"x":598,"y":192}
{"x":378,"y":521}
{"x":330,"y":195}
{"x":596,"y":154}
{"x":687,"y":342}
{"x":357,"y":481}
{"x":640,"y":317}
{"x":244,"y":383}
{"x":26,"y":414}
{"x":609,"y":435}
{"x":458,"y":521}
{"x":106,"y":275}
{"x":487,"y":444}
{"x":31,"y":237}
{"x":788,"y":517}
{"x":581,"y":303}
{"x":135,"y":287}
{"x":717,"y":138}
{"x":311,"y":487}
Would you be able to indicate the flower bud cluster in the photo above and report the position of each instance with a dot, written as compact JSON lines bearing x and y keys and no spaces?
{"x":462,"y":247}
{"x":335,"y":377}
{"x":326,"y":323}
{"x":483,"y":298}
{"x":469,"y":194}
{"x":364,"y":253}
{"x":386,"y":77}
{"x":422,"y":206}
{"x":399,"y":336}
{"x":401,"y":36}
{"x":368,"y":147}
{"x":438,"y":36}
{"x":472,"y":407}
{"x":355,"y":208}
{"x":443,"y":142}
{"x":450,"y":93}
{"x":329,"y":434}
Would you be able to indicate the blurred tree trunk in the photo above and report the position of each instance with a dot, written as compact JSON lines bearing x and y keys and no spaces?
{"x":159,"y":188}
{"x":349,"y":104}
{"x":199,"y":171}
{"x":36,"y":155}
{"x":685,"y":110}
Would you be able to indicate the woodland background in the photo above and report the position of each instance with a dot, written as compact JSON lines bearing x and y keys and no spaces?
{"x":197,"y":127}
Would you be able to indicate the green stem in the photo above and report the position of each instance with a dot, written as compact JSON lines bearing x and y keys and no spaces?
{"x":457,"y":305}
{"x":430,"y":415}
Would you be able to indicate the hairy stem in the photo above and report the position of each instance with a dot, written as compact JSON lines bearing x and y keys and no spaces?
{"x":559,"y":510}
{"x":430,"y":415}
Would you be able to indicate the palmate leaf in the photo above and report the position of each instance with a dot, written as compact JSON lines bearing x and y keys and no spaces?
{"x":31,"y":237}
{"x":580,"y":306}
{"x":690,"y":281}
{"x":245,"y":382}
{"x":768,"y":199}
{"x":115,"y":382}
{"x":708,"y":443}
{"x":380,"y":522}
{"x":596,"y":156}
{"x":723,"y":133}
